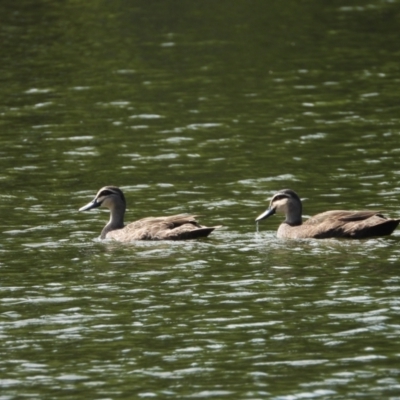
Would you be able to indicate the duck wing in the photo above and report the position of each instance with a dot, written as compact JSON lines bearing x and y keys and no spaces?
{"x":174,"y":227}
{"x":350,"y":224}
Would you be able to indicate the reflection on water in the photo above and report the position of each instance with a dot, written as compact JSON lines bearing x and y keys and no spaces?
{"x":161,"y":312}
{"x":210,"y":119}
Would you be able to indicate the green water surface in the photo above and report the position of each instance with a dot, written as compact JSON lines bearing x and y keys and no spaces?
{"x":206,"y":108}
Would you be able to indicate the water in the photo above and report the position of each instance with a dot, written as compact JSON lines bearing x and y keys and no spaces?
{"x":206,"y":109}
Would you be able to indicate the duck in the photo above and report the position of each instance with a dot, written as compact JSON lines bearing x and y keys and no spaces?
{"x":329,"y":224}
{"x":174,"y":227}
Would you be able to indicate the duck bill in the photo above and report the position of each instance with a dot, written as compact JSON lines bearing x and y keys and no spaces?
{"x":266,"y":214}
{"x":89,"y":206}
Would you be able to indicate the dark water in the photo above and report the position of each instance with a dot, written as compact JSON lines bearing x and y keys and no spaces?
{"x":206,"y":108}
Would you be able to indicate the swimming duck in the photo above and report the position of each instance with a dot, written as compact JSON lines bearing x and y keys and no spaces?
{"x":174,"y":227}
{"x":330,"y":224}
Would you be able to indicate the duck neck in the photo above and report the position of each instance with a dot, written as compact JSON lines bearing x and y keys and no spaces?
{"x":116,"y":221}
{"x":293,"y":215}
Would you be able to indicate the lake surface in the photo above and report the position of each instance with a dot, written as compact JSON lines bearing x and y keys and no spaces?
{"x":205,"y":108}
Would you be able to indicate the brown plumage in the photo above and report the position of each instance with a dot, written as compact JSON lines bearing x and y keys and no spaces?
{"x":174,"y":227}
{"x":330,"y":224}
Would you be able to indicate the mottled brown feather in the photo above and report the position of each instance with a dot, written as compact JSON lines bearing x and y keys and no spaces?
{"x":329,"y":224}
{"x":174,"y":227}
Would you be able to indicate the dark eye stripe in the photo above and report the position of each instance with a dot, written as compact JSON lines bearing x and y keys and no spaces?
{"x":105,"y":193}
{"x":280,"y":197}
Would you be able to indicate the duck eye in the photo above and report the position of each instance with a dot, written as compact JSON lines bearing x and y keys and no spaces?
{"x":105,"y":193}
{"x":280,"y":197}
